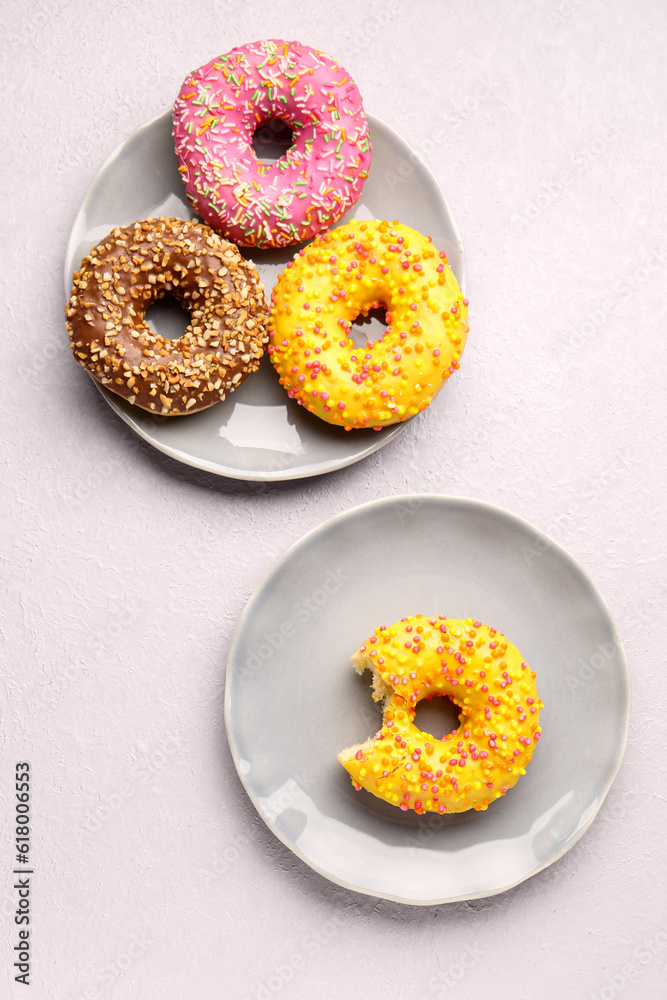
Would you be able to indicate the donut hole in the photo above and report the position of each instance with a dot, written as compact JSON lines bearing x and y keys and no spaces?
{"x":167,"y":318}
{"x":437,"y":715}
{"x":271,"y":140}
{"x":368,"y":328}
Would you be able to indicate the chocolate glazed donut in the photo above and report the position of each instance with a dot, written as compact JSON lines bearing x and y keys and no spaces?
{"x":129,"y":270}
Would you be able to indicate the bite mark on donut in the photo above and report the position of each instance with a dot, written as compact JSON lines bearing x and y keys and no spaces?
{"x":488,"y":681}
{"x":380,"y":690}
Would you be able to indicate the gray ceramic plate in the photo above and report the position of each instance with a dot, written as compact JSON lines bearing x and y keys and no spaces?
{"x":293,"y":700}
{"x":258,"y":433}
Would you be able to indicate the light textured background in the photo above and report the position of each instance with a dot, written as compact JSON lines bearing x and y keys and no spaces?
{"x":124,"y":572}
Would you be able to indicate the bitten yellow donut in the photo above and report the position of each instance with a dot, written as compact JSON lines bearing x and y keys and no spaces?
{"x":345,"y":273}
{"x":487,"y":679}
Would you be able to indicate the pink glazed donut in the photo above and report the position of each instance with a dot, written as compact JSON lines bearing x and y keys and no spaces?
{"x":216,"y":113}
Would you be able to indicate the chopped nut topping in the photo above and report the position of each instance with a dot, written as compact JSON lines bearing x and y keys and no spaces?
{"x":104,"y":310}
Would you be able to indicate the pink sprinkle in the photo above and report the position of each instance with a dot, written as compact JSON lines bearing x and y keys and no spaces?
{"x":358,"y":755}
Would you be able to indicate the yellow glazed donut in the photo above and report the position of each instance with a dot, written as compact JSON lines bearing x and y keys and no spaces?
{"x":345,"y":273}
{"x":499,"y":708}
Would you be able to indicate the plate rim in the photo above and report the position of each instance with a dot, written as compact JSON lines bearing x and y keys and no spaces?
{"x":205,"y":465}
{"x":489,"y":509}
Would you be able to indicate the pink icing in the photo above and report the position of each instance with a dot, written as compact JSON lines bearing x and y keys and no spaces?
{"x":309,"y":188}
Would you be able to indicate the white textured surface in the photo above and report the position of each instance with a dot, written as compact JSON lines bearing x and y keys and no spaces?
{"x":124,"y":572}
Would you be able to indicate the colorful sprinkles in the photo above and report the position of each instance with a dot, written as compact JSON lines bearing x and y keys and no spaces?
{"x":345,"y":273}
{"x":492,"y":686}
{"x":216,"y":113}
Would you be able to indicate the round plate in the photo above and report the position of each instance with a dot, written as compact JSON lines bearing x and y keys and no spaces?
{"x":258,"y":433}
{"x":294,"y":701}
